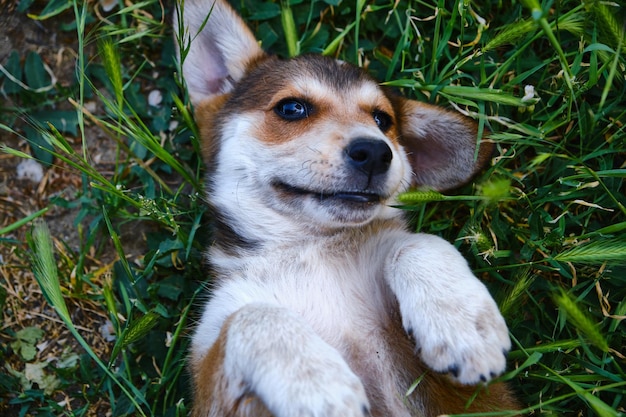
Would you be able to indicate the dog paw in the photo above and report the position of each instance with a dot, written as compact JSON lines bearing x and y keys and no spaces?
{"x":274,"y":354}
{"x":463,"y":336}
{"x":332,"y":391}
{"x":453,"y":319}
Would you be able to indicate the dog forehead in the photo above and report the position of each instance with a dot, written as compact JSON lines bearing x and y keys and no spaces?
{"x":330,"y":72}
{"x":360,"y":92}
{"x":313,"y":77}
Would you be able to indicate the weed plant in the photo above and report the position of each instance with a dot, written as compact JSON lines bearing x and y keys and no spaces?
{"x":544,"y":225}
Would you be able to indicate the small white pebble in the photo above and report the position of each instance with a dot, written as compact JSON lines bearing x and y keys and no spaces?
{"x":29,"y":169}
{"x":155,"y":98}
{"x":173,"y":125}
{"x":108,"y":331}
{"x":90,"y":106}
{"x":108,"y":5}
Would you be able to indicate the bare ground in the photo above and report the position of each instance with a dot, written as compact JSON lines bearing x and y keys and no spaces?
{"x":24,"y":306}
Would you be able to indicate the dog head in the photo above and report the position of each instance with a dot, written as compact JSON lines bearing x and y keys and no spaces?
{"x":312,"y":139}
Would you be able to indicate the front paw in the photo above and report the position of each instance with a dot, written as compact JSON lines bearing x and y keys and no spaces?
{"x":456,"y":325}
{"x":464,"y":336}
{"x":289,"y":367}
{"x":322,"y":389}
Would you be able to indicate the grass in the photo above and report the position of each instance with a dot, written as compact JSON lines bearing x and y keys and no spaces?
{"x":544,"y":225}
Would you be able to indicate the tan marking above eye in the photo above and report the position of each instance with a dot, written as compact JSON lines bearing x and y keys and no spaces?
{"x":299,"y":109}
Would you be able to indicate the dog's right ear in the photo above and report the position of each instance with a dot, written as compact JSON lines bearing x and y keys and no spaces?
{"x":214,"y":45}
{"x":440,"y":145}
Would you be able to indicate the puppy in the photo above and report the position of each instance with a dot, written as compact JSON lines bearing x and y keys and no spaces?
{"x":323,"y":304}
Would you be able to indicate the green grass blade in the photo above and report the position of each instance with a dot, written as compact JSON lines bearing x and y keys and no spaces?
{"x":332,"y":47}
{"x":580,"y":320}
{"x":412,"y":197}
{"x":559,"y":346}
{"x":483,"y":94}
{"x":612,"y":73}
{"x":601,"y":408}
{"x":113,"y":67}
{"x":5,"y":149}
{"x":612,"y":251}
{"x":510,"y":305}
{"x":134,"y":127}
{"x":23,"y":221}
{"x":134,"y":332}
{"x":80,"y":17}
{"x":45,"y":269}
{"x":607,"y":231}
{"x":530,"y":361}
{"x":607,"y":19}
{"x":510,"y":35}
{"x":289,"y":27}
{"x":46,"y":274}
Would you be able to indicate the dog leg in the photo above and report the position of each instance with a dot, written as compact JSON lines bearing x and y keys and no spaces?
{"x":456,"y":324}
{"x":268,"y":353}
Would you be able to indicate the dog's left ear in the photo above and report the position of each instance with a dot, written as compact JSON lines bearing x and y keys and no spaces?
{"x":215,"y":45}
{"x":440,"y":145}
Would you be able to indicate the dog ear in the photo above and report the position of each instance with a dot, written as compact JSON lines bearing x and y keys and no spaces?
{"x":440,"y":145}
{"x":217,"y":47}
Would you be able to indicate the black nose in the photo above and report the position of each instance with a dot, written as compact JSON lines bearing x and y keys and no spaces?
{"x":371,"y":156}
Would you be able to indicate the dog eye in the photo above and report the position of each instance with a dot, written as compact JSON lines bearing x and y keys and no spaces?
{"x":382,"y":119}
{"x":292,"y":109}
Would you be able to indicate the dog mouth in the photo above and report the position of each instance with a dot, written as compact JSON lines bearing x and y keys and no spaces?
{"x":352,"y":197}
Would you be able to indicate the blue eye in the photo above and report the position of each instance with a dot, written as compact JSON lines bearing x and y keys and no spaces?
{"x":292,"y":109}
{"x":382,"y":119}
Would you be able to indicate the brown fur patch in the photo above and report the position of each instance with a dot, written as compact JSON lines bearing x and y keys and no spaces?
{"x":211,"y":387}
{"x":438,"y":394}
{"x":206,"y":117}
